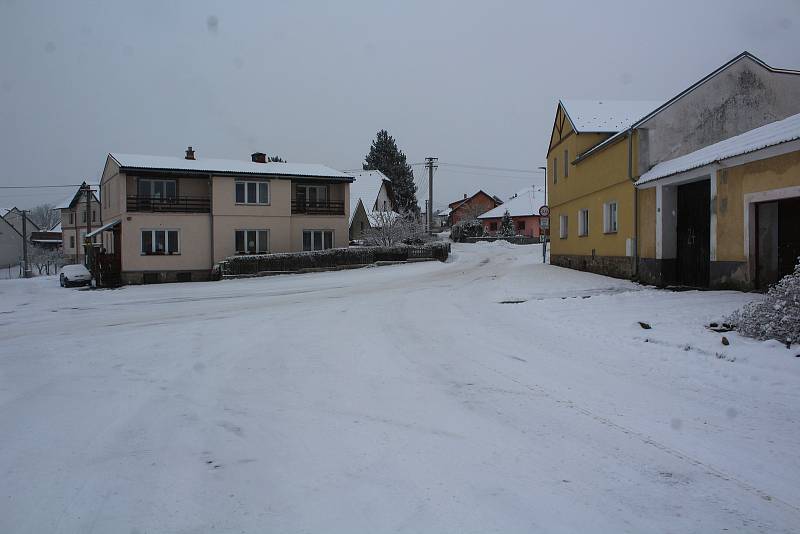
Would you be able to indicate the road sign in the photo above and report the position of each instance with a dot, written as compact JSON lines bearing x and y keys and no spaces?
{"x":544,"y":211}
{"x":544,"y":223}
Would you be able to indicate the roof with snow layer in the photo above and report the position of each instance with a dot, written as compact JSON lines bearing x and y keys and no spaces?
{"x":771,"y":134}
{"x":226,"y":166}
{"x":606,"y":116}
{"x":366,"y":187}
{"x":523,"y":204}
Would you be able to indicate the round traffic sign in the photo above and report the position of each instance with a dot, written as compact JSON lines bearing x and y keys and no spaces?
{"x":544,"y":211}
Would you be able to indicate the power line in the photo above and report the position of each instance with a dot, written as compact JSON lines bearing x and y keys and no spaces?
{"x":481,"y":167}
{"x":36,"y":186}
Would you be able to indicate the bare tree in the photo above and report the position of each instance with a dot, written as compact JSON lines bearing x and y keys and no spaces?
{"x":44,"y":216}
{"x":46,"y":260}
{"x":389,"y":228}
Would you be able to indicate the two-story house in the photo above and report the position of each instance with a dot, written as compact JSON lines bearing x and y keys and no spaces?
{"x":172,"y":218}
{"x":77,"y":220}
{"x":370,"y":193}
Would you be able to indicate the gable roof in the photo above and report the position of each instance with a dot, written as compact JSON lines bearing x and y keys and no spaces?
{"x":225,"y":166}
{"x":366,"y":187}
{"x":771,"y":134}
{"x":605,"y":116}
{"x":458,"y":203}
{"x":70,"y":200}
{"x":658,"y":109}
{"x":523,"y":204}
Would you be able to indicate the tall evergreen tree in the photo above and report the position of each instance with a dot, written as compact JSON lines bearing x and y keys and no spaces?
{"x":507,"y":225}
{"x":384,"y":156}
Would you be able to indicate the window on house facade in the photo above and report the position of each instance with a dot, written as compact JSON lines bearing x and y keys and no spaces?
{"x":83,"y":216}
{"x":94,"y":215}
{"x":317,"y":239}
{"x":563,"y":229}
{"x":566,"y":163}
{"x":252,"y":241}
{"x":521,"y":225}
{"x":492,"y":226}
{"x":157,"y":188}
{"x":610,"y":217}
{"x":71,"y":218}
{"x":583,"y":222}
{"x":252,"y":192}
{"x":160,"y":242}
{"x":555,"y":170}
{"x":312,"y":194}
{"x":72,"y":241}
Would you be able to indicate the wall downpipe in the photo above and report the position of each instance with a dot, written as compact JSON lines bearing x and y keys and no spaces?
{"x":635,"y":207}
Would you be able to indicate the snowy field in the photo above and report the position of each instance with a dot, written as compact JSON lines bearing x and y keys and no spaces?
{"x":396,"y":399}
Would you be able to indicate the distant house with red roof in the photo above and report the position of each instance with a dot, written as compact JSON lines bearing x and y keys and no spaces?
{"x":470,"y":207}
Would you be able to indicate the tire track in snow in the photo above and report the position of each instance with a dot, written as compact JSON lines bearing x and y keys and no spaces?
{"x":644,"y":438}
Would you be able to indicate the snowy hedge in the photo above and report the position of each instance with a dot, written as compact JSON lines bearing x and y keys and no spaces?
{"x":777,"y":316}
{"x":331,"y":258}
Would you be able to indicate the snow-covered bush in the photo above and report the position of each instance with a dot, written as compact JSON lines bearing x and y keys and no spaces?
{"x":506,"y":226}
{"x":388,"y":228}
{"x":777,"y":316}
{"x":466,"y":228}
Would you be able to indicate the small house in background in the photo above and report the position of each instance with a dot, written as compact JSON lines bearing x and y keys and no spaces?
{"x":371,"y":193}
{"x":49,"y":239}
{"x":471,"y":207}
{"x":523,"y":208}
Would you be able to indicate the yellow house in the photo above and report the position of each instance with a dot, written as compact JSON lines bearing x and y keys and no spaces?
{"x":592,"y":199}
{"x":600,"y":221}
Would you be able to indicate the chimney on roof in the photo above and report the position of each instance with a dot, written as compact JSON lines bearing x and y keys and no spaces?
{"x":258,"y":157}
{"x":465,"y":195}
{"x":190,"y":153}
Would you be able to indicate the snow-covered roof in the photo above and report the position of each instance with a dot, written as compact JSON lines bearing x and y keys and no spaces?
{"x":445,"y":212}
{"x":366,"y":187}
{"x":67,"y":202}
{"x":523,"y":204}
{"x":606,"y":116}
{"x":226,"y":166}
{"x":771,"y":134}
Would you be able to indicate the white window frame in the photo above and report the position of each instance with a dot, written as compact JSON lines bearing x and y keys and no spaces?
{"x":323,"y":231}
{"x":563,"y":226}
{"x":153,"y":241}
{"x":611,"y":217}
{"x":258,"y":243}
{"x":258,"y":200}
{"x":583,"y":222}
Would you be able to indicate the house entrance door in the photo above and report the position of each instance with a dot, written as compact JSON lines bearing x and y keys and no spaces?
{"x":693,"y":233}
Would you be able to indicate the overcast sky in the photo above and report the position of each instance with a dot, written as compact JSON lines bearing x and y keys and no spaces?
{"x":470,"y":82}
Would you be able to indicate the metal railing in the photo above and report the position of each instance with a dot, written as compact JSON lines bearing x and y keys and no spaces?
{"x":169,"y":205}
{"x":318,"y":207}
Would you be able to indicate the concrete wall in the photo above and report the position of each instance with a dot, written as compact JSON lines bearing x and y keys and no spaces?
{"x":744,"y":96}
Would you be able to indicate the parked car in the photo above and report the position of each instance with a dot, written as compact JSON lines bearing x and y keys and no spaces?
{"x":74,"y":275}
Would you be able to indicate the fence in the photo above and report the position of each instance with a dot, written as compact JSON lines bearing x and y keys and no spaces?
{"x":292,"y":262}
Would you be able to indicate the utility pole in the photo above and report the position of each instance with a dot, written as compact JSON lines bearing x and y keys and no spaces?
{"x":547,"y":231}
{"x":26,"y":272}
{"x":430,"y":163}
{"x":87,"y":191}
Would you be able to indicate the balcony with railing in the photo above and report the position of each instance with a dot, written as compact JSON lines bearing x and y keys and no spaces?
{"x":176,"y":204}
{"x":317,"y":207}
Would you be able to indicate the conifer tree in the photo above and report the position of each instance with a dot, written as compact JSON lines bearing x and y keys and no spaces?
{"x":507,"y":225}
{"x":384,"y":156}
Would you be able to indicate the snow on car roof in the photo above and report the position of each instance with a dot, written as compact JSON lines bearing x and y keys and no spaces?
{"x":523,"y":203}
{"x":771,"y":134}
{"x":231,"y":166}
{"x":606,"y":116}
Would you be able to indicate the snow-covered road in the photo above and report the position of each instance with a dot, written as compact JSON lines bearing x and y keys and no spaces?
{"x":487,"y":394}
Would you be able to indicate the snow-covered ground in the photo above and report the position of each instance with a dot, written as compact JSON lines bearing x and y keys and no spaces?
{"x":405,"y":398}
